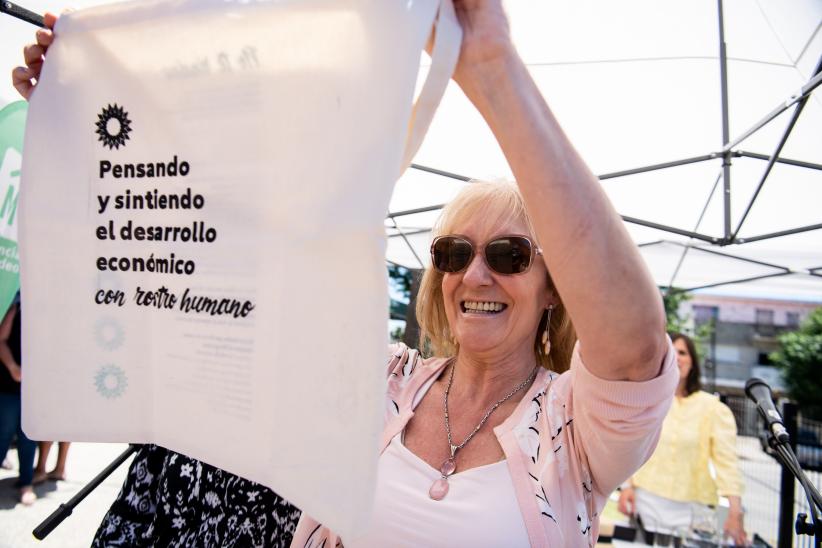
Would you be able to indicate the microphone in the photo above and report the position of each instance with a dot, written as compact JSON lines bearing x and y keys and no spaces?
{"x":760,"y":393}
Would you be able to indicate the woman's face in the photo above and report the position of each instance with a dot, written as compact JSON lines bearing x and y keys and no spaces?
{"x":516,"y":301}
{"x":683,"y":359}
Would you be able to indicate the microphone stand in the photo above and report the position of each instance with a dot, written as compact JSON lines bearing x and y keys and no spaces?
{"x":65,"y":510}
{"x":785,"y":455}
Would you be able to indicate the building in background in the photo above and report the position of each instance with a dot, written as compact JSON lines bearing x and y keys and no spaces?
{"x":745,"y":333}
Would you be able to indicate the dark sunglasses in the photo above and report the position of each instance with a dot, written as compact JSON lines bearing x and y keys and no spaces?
{"x":503,"y":255}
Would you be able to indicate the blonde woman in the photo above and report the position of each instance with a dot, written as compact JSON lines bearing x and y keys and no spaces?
{"x":512,"y":434}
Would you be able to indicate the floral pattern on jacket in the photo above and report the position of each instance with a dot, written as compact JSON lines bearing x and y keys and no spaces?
{"x":169,"y":499}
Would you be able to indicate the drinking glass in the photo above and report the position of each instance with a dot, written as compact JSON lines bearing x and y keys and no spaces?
{"x":704,"y":525}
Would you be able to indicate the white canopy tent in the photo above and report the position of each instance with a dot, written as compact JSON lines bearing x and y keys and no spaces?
{"x":639,"y":83}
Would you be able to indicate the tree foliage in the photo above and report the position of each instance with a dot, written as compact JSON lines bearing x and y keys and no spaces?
{"x":396,"y":335}
{"x":400,"y":279}
{"x":672,"y":299}
{"x":700,"y":333}
{"x":800,"y":359}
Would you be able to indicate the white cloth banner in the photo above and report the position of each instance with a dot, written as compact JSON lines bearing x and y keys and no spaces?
{"x":204,"y":187}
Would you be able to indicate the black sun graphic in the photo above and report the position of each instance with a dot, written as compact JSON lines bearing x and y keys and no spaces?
{"x":113,"y":126}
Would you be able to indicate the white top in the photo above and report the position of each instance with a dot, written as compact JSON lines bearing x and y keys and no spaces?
{"x":404,"y":514}
{"x":663,"y":515}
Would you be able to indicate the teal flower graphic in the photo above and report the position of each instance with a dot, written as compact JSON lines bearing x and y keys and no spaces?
{"x":109,"y":334}
{"x":110,"y":381}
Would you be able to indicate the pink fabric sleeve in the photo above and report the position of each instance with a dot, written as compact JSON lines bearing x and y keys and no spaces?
{"x":617,"y":423}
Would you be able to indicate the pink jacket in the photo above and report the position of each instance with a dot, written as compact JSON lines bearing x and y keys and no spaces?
{"x":569,"y":443}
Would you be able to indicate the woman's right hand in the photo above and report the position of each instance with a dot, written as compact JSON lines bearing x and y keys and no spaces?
{"x":627,"y":501}
{"x":25,"y":78}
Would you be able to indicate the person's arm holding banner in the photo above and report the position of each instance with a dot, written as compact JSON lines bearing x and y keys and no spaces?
{"x":584,"y":241}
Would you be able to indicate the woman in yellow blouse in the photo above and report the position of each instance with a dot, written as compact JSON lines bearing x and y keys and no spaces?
{"x":698,"y":430}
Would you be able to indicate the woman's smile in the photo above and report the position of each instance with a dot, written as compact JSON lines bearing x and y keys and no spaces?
{"x":482,"y":307}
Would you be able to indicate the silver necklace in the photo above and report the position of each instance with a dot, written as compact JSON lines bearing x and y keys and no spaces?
{"x":439,"y":488}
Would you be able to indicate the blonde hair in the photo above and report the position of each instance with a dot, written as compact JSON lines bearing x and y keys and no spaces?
{"x":499,"y":203}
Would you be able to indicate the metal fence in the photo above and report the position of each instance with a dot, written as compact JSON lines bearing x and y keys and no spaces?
{"x":809,"y":453}
{"x":769,"y":497}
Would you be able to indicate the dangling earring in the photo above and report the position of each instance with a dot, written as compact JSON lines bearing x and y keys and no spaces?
{"x":546,"y":339}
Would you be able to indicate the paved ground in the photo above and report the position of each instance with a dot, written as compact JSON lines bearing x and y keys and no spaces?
{"x":761,"y":475}
{"x":85,"y":460}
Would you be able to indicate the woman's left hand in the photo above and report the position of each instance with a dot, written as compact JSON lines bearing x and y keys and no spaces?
{"x":24,"y":78}
{"x":486,"y":39}
{"x":734,"y":528}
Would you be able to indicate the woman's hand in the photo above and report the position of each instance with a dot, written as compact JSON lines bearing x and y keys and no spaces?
{"x":486,"y":51}
{"x":734,"y":527}
{"x":627,"y":501}
{"x":25,"y":78}
{"x":486,"y":36}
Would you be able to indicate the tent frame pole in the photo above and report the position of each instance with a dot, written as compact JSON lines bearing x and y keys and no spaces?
{"x":672,"y":229}
{"x":800,"y":106}
{"x":655,"y":167}
{"x":727,"y":153}
{"x":769,"y":166}
{"x":788,"y":232}
{"x":797,"y":163}
{"x":739,"y":281}
{"x":735,"y":257}
{"x":435,"y":171}
{"x":804,"y":91}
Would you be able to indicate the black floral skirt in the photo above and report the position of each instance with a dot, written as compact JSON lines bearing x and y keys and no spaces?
{"x":169,"y":499}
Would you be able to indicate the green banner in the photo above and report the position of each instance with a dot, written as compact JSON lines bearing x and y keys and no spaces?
{"x":12,"y":128}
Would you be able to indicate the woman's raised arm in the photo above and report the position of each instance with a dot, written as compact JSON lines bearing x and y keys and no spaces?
{"x":604,"y":283}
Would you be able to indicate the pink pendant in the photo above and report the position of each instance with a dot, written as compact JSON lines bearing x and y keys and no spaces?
{"x":438,"y":489}
{"x":448,"y":467}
